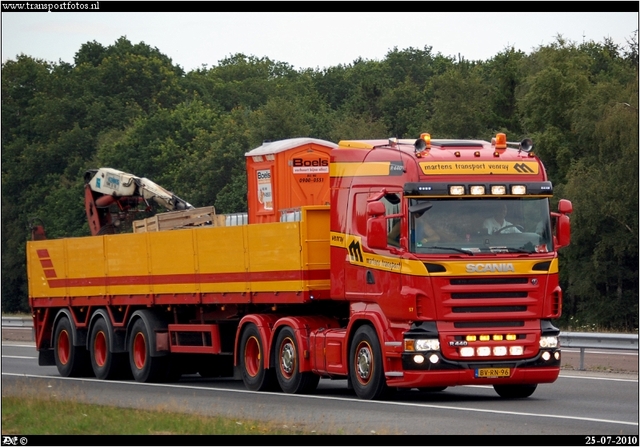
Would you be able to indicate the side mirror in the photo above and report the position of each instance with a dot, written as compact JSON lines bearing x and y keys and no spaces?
{"x":376,"y":209}
{"x":377,"y":233}
{"x":563,"y":231}
{"x":565,"y":206}
{"x":563,"y":225}
{"x":376,"y":225}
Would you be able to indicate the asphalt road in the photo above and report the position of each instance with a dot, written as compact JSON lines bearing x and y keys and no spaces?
{"x":578,"y":403}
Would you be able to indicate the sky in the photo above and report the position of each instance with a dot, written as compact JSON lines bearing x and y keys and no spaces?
{"x":314,"y":40}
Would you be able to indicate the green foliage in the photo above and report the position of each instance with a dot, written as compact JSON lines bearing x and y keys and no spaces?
{"x":603,"y":277}
{"x":459,"y":104}
{"x":503,"y":76}
{"x":127,"y":106}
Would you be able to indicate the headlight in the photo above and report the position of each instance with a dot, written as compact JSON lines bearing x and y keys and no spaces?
{"x":422,"y":345}
{"x":499,"y":350}
{"x":467,"y":351}
{"x":549,"y":342}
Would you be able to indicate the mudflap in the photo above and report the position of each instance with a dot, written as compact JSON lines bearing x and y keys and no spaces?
{"x":46,"y":358}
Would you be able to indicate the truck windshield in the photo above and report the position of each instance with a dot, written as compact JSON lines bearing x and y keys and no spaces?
{"x":474,"y":226}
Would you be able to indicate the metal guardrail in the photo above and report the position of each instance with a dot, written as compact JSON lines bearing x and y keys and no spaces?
{"x":580,"y":340}
{"x":597,"y":340}
{"x":21,"y":325}
{"x":17,"y":322}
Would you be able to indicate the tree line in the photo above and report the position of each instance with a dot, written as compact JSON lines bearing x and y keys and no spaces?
{"x":128,"y":106}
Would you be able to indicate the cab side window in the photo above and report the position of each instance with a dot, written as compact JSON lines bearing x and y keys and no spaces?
{"x":392,"y":203}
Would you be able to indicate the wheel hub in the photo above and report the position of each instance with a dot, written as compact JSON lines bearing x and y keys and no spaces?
{"x":364,"y":363}
{"x":287,"y":358}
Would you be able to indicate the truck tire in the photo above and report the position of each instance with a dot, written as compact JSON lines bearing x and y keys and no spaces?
{"x":515,"y":391}
{"x":144,"y":367}
{"x":290,"y":378}
{"x":365,"y":365}
{"x":254,"y":374}
{"x":106,"y":364}
{"x":71,"y":361}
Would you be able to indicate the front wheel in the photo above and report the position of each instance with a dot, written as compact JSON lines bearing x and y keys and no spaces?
{"x":365,"y":365}
{"x":515,"y":391}
{"x":255,"y":375}
{"x":290,"y":378}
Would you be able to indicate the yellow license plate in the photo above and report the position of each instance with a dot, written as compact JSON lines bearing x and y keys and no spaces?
{"x":486,"y":373}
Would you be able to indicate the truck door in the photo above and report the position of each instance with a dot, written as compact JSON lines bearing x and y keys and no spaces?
{"x":370,"y":274}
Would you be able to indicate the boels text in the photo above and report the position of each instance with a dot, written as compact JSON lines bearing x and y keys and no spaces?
{"x":298,"y":162}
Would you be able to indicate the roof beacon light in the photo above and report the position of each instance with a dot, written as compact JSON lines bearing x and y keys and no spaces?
{"x":422,"y":144}
{"x":501,"y":141}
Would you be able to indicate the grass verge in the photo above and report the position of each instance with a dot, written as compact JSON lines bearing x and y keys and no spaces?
{"x":45,"y":416}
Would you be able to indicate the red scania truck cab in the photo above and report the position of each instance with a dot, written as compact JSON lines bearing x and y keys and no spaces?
{"x":469,"y":303}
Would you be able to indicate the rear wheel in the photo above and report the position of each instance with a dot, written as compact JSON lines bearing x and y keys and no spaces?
{"x":105,"y":364}
{"x":515,"y":391}
{"x":290,"y":378}
{"x":144,"y":367}
{"x":365,"y":365}
{"x":71,"y":361}
{"x":254,"y":374}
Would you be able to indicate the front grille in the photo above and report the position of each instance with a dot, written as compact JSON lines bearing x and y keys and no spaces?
{"x":471,"y":309}
{"x":472,"y":295}
{"x":486,"y":324}
{"x":487,"y":281}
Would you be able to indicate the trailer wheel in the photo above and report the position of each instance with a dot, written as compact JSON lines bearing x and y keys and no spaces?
{"x":144,"y":367}
{"x":290,"y":378}
{"x":254,"y":374}
{"x":515,"y":391}
{"x":71,"y":361}
{"x":365,"y":365}
{"x":106,"y":364}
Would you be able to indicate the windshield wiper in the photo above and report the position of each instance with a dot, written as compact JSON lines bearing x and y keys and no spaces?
{"x":518,"y":250}
{"x":508,"y":250}
{"x":466,"y":252}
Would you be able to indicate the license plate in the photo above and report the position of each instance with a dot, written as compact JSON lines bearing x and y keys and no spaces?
{"x":486,"y":373}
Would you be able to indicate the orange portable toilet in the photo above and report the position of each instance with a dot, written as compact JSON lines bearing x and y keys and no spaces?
{"x":287,"y":174}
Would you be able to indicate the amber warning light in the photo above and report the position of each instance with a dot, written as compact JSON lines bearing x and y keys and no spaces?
{"x":422,"y":144}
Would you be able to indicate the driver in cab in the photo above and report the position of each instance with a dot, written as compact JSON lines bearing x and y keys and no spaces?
{"x":497,"y":223}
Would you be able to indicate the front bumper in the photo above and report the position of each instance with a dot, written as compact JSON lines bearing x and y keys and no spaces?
{"x":448,"y":373}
